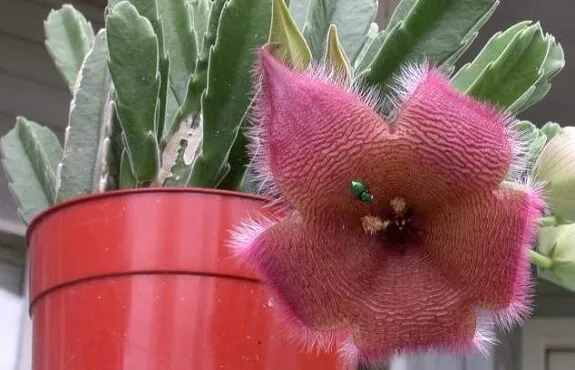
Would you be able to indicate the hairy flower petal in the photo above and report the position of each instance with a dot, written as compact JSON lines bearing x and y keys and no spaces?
{"x":339,"y":267}
{"x":480,"y":244}
{"x":457,"y":144}
{"x":313,"y":136}
{"x":315,"y":269}
{"x":332,"y":282}
{"x":412,"y":308}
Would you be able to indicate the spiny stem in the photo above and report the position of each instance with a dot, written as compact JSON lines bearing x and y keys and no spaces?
{"x":540,"y":260}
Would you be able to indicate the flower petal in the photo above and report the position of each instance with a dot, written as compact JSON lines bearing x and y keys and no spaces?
{"x":457,"y":144}
{"x":314,"y":137}
{"x":480,"y":244}
{"x":331,"y":282}
{"x":412,"y":308}
{"x":314,"y":271}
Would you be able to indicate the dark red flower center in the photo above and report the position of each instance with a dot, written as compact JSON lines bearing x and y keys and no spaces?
{"x":397,"y":229}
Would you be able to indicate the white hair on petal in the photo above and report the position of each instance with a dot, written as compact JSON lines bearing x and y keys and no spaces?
{"x":485,"y":337}
{"x":243,"y":236}
{"x":349,"y":354}
{"x":533,"y":186}
{"x":405,"y":82}
{"x":412,"y":74}
{"x":520,"y":166}
{"x":527,"y":183}
{"x":517,"y":312}
{"x":520,"y":309}
{"x":367,"y":95}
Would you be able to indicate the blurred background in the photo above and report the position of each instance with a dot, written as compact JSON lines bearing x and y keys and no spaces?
{"x":30,"y":86}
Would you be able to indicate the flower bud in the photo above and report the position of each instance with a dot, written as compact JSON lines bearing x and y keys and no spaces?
{"x":558,"y":243}
{"x":556,"y":168}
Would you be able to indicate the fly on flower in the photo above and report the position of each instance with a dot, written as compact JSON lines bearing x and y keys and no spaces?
{"x":427,"y":251}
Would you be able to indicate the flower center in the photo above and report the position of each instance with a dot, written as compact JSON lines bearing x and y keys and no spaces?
{"x":397,"y":228}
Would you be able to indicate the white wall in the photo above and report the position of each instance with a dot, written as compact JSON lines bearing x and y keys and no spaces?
{"x":10,"y":313}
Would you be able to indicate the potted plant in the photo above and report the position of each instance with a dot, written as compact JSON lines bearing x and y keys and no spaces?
{"x":129,"y":221}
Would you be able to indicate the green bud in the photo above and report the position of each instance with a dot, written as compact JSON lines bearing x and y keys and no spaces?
{"x":556,"y":169}
{"x":558,"y":243}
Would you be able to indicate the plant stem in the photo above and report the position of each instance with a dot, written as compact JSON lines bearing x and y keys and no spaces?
{"x":548,"y":221}
{"x":540,"y":260}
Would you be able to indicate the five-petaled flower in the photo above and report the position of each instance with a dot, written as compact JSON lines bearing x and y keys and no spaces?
{"x":401,"y":235}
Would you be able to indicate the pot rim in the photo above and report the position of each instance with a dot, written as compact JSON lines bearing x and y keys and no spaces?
{"x":122,"y":192}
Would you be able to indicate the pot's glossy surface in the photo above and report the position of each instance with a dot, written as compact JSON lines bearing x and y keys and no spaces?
{"x":144,"y":280}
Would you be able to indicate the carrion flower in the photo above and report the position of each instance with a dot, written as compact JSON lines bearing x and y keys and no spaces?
{"x":400,"y":237}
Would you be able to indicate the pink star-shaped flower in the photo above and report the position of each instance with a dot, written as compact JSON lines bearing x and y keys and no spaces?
{"x":401,"y":236}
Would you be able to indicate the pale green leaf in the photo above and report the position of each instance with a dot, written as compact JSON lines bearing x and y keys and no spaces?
{"x":197,"y":83}
{"x":149,"y":10}
{"x":30,"y":156}
{"x":127,"y":179}
{"x":401,"y":11}
{"x":553,"y":64}
{"x":432,"y":30}
{"x":69,"y":37}
{"x":180,"y":43}
{"x":370,"y":50}
{"x":133,"y":64}
{"x":287,"y":43}
{"x":353,"y":19}
{"x":89,"y":126}
{"x":335,"y":58}
{"x":465,"y":77}
{"x":550,"y":129}
{"x":298,"y":10}
{"x":515,"y":71}
{"x":244,"y":26}
{"x":200,"y":12}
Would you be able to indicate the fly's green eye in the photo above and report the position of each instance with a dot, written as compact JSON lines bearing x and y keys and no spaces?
{"x":359,"y":190}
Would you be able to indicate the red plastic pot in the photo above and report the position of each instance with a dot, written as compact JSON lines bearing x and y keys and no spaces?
{"x":144,"y":280}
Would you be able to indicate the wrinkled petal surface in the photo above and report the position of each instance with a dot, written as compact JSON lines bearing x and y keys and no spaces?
{"x":412,"y":308}
{"x":457,"y":145}
{"x":317,"y":136}
{"x":444,"y":154}
{"x":330,"y":278}
{"x":316,"y":269}
{"x":480,"y":244}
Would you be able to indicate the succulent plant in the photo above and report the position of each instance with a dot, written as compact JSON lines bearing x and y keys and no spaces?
{"x":162,"y":95}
